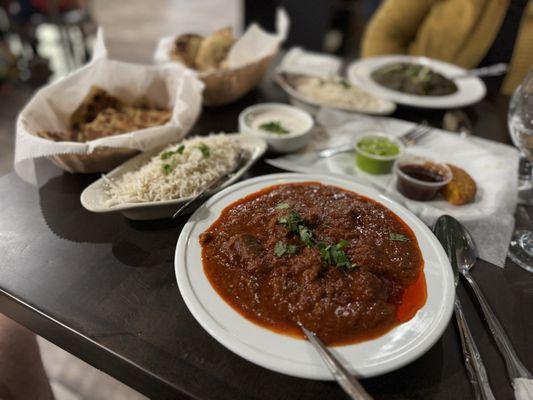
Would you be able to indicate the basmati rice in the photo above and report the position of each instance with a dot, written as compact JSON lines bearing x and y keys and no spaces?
{"x":178,"y":171}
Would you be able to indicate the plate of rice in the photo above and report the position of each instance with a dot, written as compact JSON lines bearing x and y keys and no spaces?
{"x":154,"y":184}
{"x":312,"y":92}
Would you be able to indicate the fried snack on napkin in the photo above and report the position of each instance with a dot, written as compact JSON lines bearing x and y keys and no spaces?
{"x":461,"y":189}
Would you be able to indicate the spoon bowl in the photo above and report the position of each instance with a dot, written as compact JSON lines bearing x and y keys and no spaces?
{"x":457,"y":243}
{"x":465,"y":247}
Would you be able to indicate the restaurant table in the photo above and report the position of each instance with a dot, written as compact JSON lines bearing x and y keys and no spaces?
{"x":103,"y":288}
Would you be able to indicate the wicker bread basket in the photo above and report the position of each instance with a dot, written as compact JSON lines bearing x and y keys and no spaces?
{"x":225,"y":86}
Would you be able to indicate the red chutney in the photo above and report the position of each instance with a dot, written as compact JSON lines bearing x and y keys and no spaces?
{"x":276,"y":285}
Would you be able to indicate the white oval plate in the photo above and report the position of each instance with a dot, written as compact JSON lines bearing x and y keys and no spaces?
{"x":311,"y":105}
{"x":470,"y":90}
{"x":94,"y":198}
{"x":296,"y":357}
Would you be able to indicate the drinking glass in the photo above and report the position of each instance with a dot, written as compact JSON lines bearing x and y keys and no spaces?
{"x":520,"y":120}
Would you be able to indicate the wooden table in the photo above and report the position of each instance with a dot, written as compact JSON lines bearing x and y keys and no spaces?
{"x":103,"y":288}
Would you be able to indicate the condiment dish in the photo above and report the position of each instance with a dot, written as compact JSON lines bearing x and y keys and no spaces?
{"x":285,"y":128}
{"x":420,"y":178}
{"x":371,"y":161}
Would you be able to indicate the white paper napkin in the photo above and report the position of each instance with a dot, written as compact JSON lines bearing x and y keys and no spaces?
{"x":299,"y":61}
{"x":493,"y":166}
{"x":523,"y":388}
{"x":171,"y":86}
{"x":252,"y":46}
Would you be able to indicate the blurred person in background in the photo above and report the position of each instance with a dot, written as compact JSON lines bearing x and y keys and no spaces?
{"x":468,"y":33}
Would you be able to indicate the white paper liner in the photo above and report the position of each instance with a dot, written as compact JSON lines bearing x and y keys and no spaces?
{"x":252,"y":46}
{"x":171,"y":86}
{"x":494,"y":167}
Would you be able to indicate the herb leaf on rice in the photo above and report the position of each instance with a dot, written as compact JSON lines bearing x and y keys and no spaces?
{"x":178,"y":171}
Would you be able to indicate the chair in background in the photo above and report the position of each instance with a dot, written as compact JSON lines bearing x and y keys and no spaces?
{"x":333,"y":26}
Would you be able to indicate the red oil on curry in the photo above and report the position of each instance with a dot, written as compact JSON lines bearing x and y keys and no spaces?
{"x":341,"y":306}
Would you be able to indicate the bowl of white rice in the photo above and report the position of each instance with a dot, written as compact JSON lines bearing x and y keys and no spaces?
{"x":154,"y":184}
{"x":312,"y":92}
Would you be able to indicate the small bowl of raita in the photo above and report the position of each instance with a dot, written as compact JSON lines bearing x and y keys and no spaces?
{"x":285,"y":128}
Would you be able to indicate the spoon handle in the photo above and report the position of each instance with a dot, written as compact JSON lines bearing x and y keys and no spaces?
{"x":333,"y":151}
{"x":515,"y":368}
{"x":473,"y":362}
{"x":351,"y":386}
{"x":198,"y":196}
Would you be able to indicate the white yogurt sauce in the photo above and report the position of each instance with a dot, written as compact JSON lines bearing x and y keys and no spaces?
{"x":293,"y":123}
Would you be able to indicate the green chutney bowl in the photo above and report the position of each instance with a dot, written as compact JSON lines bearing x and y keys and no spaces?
{"x":377,"y":164}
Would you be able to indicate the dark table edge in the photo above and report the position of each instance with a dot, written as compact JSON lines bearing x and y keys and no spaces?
{"x":88,"y":350}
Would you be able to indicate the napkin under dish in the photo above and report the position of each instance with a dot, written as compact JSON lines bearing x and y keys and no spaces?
{"x":170,"y":86}
{"x":299,"y":61}
{"x":494,"y":167}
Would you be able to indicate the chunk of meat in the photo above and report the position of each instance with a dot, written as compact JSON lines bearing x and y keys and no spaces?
{"x":247,"y":250}
{"x":206,"y":237}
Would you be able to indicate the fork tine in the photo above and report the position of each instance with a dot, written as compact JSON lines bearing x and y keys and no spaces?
{"x":410,"y":132}
{"x":420,"y":134}
{"x":416,"y":138}
{"x":416,"y":133}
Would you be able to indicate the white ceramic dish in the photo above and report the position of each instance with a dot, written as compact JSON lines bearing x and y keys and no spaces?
{"x":470,"y":90}
{"x":296,"y":357}
{"x":94,"y":197}
{"x":312,"y":106}
{"x":285,"y":143}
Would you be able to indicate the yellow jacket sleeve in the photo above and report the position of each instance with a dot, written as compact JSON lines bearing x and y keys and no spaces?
{"x":394,"y":26}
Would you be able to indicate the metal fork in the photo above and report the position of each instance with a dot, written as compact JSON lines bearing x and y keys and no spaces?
{"x":410,"y":138}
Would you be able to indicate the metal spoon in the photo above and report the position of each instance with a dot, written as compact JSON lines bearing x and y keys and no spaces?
{"x":490,"y":70}
{"x":468,"y":256}
{"x":351,"y":386}
{"x":454,"y":243}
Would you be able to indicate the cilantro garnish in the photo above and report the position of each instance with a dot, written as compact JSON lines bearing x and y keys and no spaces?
{"x":166,"y":154}
{"x":291,"y":221}
{"x":170,"y":153}
{"x":282,"y":206}
{"x":345,"y":84}
{"x":206,"y":151}
{"x":282,"y":248}
{"x":333,"y":254}
{"x":274,"y":127}
{"x":167,"y":169}
{"x":295,"y":224}
{"x":398,"y":237}
{"x":306,"y":235}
